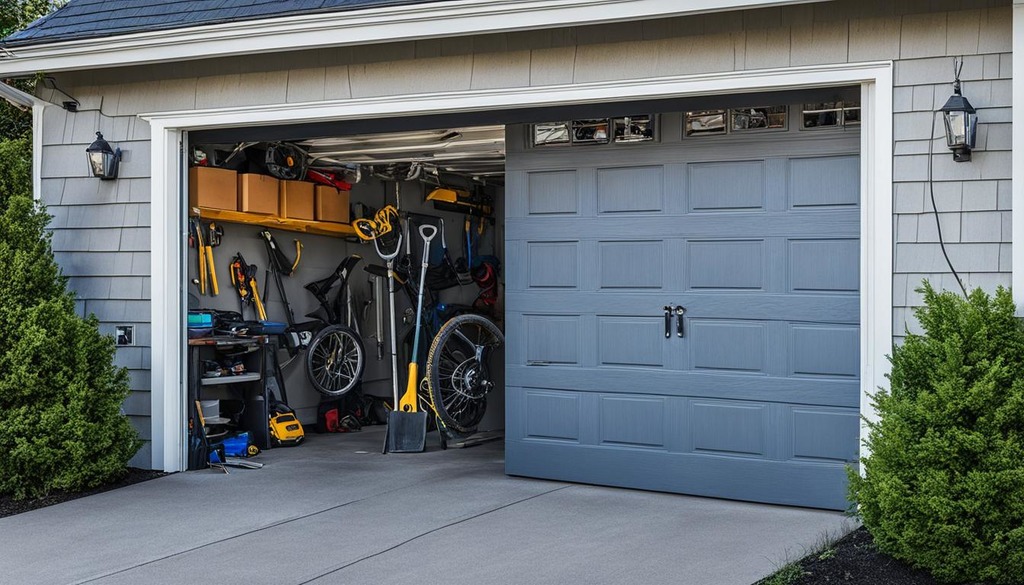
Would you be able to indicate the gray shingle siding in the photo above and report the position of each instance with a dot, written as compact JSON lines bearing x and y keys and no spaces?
{"x":100,"y":227}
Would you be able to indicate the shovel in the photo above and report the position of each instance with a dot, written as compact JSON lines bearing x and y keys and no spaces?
{"x":407,"y":425}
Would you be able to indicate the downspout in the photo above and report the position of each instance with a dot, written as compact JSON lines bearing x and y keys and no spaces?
{"x":23,"y":101}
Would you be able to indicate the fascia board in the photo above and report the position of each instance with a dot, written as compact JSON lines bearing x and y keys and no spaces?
{"x":358,"y":27}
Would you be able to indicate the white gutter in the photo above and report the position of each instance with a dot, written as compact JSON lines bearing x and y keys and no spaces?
{"x":356,"y":27}
{"x":20,"y":99}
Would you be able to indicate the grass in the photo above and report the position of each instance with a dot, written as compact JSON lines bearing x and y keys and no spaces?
{"x":823,"y":547}
{"x":787,"y":575}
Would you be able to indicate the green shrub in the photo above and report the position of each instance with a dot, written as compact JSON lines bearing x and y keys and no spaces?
{"x":944,"y":482}
{"x":60,"y":393}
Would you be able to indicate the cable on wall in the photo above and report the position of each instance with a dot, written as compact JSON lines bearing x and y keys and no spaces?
{"x":935,"y":209}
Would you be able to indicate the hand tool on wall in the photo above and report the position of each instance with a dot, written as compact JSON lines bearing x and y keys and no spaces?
{"x":243,"y":278}
{"x":280,"y":266}
{"x":378,"y":302}
{"x":216,"y":233}
{"x":201,"y":247}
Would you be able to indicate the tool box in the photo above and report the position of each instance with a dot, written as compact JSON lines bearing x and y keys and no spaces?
{"x":200,"y":324}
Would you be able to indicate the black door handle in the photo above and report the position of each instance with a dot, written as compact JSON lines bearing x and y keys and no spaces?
{"x":668,"y":321}
{"x":680,"y":311}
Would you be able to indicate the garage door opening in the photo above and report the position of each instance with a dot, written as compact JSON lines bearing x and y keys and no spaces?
{"x":679,"y":285}
{"x":304,"y":319}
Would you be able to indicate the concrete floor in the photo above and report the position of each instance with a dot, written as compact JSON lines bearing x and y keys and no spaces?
{"x":335,"y":510}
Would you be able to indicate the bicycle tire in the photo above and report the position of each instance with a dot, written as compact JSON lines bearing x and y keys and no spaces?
{"x":458,"y":372}
{"x":335,"y":360}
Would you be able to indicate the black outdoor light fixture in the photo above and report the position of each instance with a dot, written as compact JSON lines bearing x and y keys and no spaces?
{"x":961,"y":120}
{"x":103,"y":160}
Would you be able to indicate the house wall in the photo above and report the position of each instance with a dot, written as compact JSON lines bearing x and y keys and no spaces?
{"x":101,"y":230}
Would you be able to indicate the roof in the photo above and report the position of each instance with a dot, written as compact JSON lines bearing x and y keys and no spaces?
{"x":84,"y":19}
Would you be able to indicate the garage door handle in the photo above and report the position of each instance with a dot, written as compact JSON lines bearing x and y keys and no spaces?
{"x":668,"y":321}
{"x":680,"y":311}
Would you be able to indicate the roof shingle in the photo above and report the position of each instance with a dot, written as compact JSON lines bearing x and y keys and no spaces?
{"x":82,"y":19}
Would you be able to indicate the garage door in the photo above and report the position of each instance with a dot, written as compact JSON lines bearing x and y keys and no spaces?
{"x":757,"y":240}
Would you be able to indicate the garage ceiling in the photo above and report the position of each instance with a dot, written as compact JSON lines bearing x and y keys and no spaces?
{"x":477,"y":151}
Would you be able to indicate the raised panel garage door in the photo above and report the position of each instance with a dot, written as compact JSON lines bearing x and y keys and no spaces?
{"x":758,"y":241}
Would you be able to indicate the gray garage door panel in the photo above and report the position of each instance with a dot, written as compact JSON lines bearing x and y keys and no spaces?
{"x":759,"y":400}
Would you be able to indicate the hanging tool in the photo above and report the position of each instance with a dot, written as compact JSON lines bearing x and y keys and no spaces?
{"x":280,"y":265}
{"x":201,"y":247}
{"x":243,"y":278}
{"x":261,"y":311}
{"x":408,"y":403}
{"x":378,"y":305}
{"x":381,"y":224}
{"x":216,"y":233}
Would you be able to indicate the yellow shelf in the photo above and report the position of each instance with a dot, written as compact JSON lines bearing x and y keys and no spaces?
{"x":320,"y":228}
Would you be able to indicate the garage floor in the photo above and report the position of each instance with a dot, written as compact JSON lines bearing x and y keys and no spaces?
{"x":336,"y":511}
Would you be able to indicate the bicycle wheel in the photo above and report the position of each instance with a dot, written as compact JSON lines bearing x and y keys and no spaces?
{"x":335,"y":360}
{"x":459,"y":370}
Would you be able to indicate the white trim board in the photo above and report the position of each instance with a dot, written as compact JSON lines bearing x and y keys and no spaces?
{"x":348,"y":28}
{"x":1017,"y":160}
{"x":168,"y":251}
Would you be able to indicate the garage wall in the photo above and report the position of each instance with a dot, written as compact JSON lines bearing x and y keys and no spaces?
{"x":320,"y":256}
{"x":101,"y":229}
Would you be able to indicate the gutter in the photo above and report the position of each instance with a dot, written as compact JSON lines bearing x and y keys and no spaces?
{"x":19,"y":99}
{"x":349,"y":28}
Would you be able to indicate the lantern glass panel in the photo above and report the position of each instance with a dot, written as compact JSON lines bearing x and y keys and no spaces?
{"x":97,"y":163}
{"x":957,"y":126}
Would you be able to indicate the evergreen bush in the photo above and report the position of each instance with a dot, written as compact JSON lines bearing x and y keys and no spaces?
{"x":943,"y":486}
{"x":60,"y":393}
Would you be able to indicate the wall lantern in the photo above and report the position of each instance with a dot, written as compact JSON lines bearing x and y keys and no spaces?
{"x":961,"y":121}
{"x":102,"y":159}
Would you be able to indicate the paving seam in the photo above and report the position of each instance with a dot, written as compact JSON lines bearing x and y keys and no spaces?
{"x":253,"y":531}
{"x":432,"y":531}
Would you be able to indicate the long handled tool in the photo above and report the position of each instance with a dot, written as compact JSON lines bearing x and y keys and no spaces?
{"x":216,"y":232}
{"x":409,"y":399}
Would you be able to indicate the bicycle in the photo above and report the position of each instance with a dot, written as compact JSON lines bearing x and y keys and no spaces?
{"x":335,"y":358}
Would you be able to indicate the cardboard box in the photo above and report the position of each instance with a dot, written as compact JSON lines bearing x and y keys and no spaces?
{"x":297,"y":200}
{"x":213,"y":188}
{"x":331,"y":204}
{"x":257,"y":194}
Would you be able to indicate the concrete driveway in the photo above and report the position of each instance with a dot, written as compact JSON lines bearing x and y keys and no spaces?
{"x":335,"y":510}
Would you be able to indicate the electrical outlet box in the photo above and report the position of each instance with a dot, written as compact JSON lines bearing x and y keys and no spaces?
{"x":124,"y":335}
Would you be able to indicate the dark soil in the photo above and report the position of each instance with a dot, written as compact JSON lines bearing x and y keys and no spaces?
{"x":854,"y":560}
{"x":9,"y":506}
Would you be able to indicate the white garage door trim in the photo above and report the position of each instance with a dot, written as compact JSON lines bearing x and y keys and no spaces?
{"x":168,"y":256}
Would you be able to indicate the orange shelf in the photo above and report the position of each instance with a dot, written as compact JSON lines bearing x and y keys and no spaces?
{"x":320,"y":228}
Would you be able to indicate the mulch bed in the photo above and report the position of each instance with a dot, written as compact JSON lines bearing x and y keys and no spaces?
{"x":854,"y":560}
{"x":10,"y":506}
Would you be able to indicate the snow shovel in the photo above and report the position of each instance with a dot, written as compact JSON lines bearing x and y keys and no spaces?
{"x":410,"y":423}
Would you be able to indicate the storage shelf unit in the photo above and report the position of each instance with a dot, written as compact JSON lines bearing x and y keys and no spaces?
{"x":320,"y":228}
{"x":253,"y":377}
{"x":248,"y":389}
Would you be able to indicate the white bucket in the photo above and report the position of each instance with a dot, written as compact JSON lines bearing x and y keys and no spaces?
{"x":211,"y":408}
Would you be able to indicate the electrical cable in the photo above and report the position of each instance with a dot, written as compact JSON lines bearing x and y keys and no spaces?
{"x":935,"y":209}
